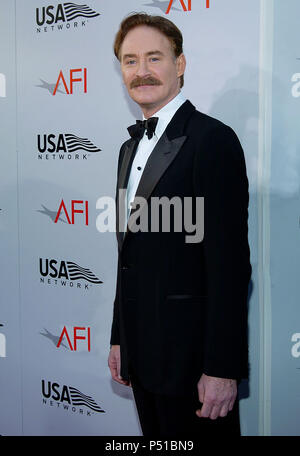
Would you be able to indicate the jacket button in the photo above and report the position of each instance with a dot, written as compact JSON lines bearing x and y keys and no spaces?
{"x":127,"y":266}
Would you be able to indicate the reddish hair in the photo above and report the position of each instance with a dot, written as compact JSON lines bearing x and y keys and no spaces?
{"x":163,"y":25}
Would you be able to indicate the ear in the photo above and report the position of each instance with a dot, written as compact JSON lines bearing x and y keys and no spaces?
{"x":181,"y":64}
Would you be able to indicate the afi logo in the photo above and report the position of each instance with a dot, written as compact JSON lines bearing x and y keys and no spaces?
{"x":183,"y":4}
{"x":2,"y":85}
{"x":296,"y":86}
{"x":86,"y":337}
{"x":69,"y":88}
{"x":62,"y":207}
{"x":2,"y":345}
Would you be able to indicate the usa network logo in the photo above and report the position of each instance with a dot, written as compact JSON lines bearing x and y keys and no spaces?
{"x":66,"y":274}
{"x":64,"y":146}
{"x":69,"y":398}
{"x":63,"y":16}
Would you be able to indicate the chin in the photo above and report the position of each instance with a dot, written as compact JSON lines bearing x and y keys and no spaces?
{"x":145,"y":98}
{"x":143,"y":101}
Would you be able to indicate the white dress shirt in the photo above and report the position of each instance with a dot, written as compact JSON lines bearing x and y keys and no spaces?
{"x":147,"y":145}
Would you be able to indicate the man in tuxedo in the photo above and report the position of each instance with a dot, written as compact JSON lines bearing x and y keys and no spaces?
{"x":179,"y":331}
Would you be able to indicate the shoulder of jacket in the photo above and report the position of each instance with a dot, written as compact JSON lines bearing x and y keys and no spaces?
{"x":207,"y":122}
{"x":125,"y":143}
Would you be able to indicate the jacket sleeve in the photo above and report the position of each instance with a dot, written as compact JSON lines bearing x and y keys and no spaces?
{"x":220,"y":172}
{"x":115,"y":328}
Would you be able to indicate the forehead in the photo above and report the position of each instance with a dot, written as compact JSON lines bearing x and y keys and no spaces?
{"x":143,"y":39}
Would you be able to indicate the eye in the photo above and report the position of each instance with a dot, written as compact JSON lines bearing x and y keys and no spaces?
{"x":154,"y":59}
{"x":130,"y":62}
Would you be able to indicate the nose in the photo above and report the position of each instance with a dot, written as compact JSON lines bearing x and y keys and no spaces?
{"x":142,"y":68}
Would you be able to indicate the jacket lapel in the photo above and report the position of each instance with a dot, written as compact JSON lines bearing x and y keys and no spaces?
{"x":158,"y":162}
{"x":160,"y":159}
{"x":129,"y":153}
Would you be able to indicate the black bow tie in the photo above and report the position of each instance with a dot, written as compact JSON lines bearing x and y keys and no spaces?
{"x":137,"y":131}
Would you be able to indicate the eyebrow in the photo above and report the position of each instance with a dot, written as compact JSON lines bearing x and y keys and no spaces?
{"x":126,"y":56}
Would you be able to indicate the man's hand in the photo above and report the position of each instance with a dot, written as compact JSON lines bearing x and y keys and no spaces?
{"x":217,"y":396}
{"x":114,"y":364}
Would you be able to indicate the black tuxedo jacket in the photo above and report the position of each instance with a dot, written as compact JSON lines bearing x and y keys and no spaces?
{"x":181,"y":308}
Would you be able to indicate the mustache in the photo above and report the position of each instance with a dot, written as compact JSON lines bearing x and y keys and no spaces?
{"x":150,"y":80}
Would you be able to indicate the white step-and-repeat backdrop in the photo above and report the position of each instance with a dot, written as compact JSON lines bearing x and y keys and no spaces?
{"x":64,"y":113}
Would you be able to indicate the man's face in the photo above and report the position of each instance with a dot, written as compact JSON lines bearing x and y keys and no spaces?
{"x":149,"y":68}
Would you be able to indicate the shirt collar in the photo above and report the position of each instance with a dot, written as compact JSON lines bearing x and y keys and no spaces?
{"x":166,"y":113}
